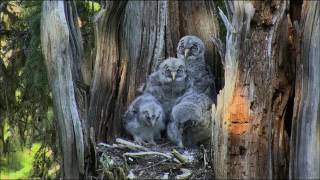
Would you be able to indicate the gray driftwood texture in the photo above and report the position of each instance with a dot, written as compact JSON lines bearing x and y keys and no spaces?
{"x":62,"y":50}
{"x":305,"y":142}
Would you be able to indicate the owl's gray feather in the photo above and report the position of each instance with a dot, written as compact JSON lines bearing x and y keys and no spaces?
{"x":192,"y":49}
{"x":191,"y":118}
{"x":168,"y":83}
{"x":174,"y":133}
{"x":144,"y":119}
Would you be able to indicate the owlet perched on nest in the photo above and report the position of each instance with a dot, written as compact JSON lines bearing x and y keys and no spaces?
{"x":144,"y":119}
{"x":192,"y":49}
{"x":190,"y":119}
{"x":168,"y":83}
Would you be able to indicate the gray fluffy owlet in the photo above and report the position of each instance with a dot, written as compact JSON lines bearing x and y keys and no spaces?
{"x":168,"y":83}
{"x":144,"y":119}
{"x":190,"y":119}
{"x":192,"y":49}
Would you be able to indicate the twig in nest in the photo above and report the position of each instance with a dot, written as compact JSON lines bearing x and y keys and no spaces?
{"x":131,"y":145}
{"x":153,"y":165}
{"x":179,"y":156}
{"x":186,"y":173}
{"x":125,"y":161}
{"x":164,"y":144}
{"x":105,"y":145}
{"x":204,"y":151}
{"x":142,"y":154}
{"x":131,"y":175}
{"x":92,"y":177}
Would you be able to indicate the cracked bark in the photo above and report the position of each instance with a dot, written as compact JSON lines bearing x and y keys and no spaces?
{"x":249,"y":138}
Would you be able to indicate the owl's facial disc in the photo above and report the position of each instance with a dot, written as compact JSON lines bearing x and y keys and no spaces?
{"x":168,"y":73}
{"x":150,"y":113}
{"x":172,"y":69}
{"x":181,"y":75}
{"x":144,"y":114}
{"x":146,"y":118}
{"x":190,"y":47}
{"x":153,"y":120}
{"x":155,"y":116}
{"x":192,"y":50}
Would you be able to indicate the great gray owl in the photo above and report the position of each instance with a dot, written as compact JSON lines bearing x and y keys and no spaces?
{"x":190,"y":119}
{"x":192,"y":49}
{"x":144,"y":119}
{"x":168,"y":83}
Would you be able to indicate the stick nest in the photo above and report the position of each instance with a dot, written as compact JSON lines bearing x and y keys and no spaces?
{"x":128,"y":160}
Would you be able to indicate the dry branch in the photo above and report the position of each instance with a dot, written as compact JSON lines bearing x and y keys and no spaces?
{"x":180,"y":157}
{"x":221,"y":48}
{"x":143,"y":154}
{"x":186,"y":174}
{"x":130,"y":145}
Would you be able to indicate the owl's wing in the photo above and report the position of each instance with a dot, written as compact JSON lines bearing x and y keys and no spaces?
{"x":153,"y":86}
{"x":132,"y":111}
{"x":193,"y":108}
{"x":162,"y":120}
{"x":211,"y":88}
{"x":128,"y":116}
{"x":153,"y":80}
{"x":174,"y":134}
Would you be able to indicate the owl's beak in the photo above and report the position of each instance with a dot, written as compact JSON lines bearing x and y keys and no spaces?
{"x":186,"y":52}
{"x":173,"y":74}
{"x":153,"y":122}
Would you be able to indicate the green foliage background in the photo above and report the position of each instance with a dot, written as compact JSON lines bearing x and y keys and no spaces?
{"x":29,"y":144}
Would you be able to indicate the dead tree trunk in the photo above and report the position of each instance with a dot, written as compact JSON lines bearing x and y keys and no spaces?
{"x":305,"y":142}
{"x":61,"y":45}
{"x":132,"y":39}
{"x":249,"y":138}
